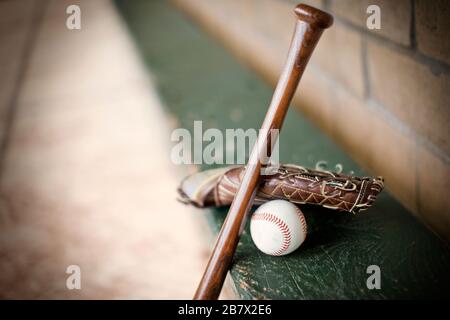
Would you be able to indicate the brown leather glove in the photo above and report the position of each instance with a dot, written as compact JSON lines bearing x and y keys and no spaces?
{"x":217,"y":187}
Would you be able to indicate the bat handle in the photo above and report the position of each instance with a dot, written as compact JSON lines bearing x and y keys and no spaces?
{"x":310,"y":24}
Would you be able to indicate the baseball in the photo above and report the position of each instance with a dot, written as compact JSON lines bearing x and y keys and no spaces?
{"x":278,"y":227}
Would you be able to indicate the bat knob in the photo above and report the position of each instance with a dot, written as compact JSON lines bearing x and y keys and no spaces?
{"x":313,"y":16}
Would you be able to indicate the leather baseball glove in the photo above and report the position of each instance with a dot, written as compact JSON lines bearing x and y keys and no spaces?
{"x":217,"y":187}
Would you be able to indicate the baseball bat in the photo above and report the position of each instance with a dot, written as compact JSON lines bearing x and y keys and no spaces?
{"x":308,"y":28}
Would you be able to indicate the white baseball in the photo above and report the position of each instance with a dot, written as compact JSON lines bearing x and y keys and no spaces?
{"x":278,"y":227}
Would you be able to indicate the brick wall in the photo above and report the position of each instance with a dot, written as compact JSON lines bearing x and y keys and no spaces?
{"x":383,"y":95}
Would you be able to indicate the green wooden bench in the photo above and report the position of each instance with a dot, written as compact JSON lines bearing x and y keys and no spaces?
{"x":199,"y":80}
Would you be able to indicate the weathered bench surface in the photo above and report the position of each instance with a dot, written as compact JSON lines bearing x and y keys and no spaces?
{"x":199,"y":80}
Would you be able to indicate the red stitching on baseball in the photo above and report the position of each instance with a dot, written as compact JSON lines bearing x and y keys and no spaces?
{"x":302,"y":220}
{"x":281,"y":226}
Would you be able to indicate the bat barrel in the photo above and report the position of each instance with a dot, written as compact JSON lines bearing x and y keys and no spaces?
{"x":314,"y":17}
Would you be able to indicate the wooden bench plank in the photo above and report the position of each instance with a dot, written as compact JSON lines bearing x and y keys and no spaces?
{"x":199,"y":80}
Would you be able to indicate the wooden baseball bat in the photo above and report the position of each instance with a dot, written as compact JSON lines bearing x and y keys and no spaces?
{"x":309,"y":27}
